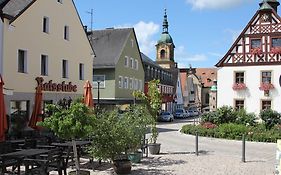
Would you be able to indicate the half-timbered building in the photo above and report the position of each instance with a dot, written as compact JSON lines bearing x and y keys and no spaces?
{"x":249,"y":73}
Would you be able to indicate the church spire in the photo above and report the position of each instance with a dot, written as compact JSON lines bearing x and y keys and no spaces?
{"x":165,"y":22}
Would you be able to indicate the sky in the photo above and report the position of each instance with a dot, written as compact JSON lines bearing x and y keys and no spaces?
{"x":202,"y":30}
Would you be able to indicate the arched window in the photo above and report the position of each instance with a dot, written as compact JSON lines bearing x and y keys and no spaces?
{"x":162,"y":54}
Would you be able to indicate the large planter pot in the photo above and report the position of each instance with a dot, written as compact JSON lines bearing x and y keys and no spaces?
{"x":123,"y":166}
{"x":154,"y":148}
{"x":80,"y":172}
{"x":135,"y":157}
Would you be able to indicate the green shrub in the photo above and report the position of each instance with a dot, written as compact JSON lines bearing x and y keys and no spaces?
{"x":209,"y":117}
{"x":244,"y":118}
{"x":270,"y":118}
{"x":231,"y":131}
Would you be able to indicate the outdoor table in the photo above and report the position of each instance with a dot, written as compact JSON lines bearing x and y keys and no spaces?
{"x":68,"y":147}
{"x":20,"y":155}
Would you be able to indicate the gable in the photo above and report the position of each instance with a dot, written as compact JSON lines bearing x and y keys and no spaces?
{"x":263,"y":28}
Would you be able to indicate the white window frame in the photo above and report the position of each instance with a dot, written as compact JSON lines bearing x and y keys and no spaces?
{"x":24,"y":61}
{"x":126,"y":82}
{"x":46,"y":27}
{"x":100,"y":78}
{"x":126,"y":63}
{"x":81,"y":71}
{"x":136,"y":64}
{"x":65,"y":72}
{"x":131,"y":64}
{"x":131,"y":83}
{"x":46,"y":65}
{"x":136,"y":84}
{"x":120,"y":82}
{"x":66,"y":32}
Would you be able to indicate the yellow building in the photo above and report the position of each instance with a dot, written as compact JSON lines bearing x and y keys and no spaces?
{"x":42,"y":42}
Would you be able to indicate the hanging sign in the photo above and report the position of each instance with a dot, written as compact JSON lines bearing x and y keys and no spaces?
{"x":55,"y":87}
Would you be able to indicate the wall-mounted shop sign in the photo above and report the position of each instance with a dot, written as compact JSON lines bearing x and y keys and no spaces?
{"x":56,"y":87}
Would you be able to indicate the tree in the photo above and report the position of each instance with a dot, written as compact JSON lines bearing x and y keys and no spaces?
{"x":153,"y":101}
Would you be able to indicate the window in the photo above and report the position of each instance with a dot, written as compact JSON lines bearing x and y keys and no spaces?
{"x":140,"y":85}
{"x":266,"y":104}
{"x":19,"y":108}
{"x":131,"y":83}
{"x":120,"y":82}
{"x":162,"y":54}
{"x":99,"y":81}
{"x":255,"y":43}
{"x":239,"y":104}
{"x":131,"y":63}
{"x":64,"y":69}
{"x":126,"y":63}
{"x":60,"y":1}
{"x":46,"y":25}
{"x":126,"y":79}
{"x":66,"y":32}
{"x":22,"y":61}
{"x":276,"y":42}
{"x":207,"y":98}
{"x":44,"y":65}
{"x":81,"y":71}
{"x":136,"y":84}
{"x":239,"y":77}
{"x":136,"y":66}
{"x":266,"y":77}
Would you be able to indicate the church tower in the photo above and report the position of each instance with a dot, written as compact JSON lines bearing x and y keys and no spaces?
{"x":165,"y":47}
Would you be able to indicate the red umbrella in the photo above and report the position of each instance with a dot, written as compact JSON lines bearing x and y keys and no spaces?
{"x":3,"y":118}
{"x":88,"y":97}
{"x":37,"y":110}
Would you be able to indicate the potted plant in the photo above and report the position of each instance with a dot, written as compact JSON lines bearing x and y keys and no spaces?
{"x":76,"y":122}
{"x":153,"y":101}
{"x":115,"y":134}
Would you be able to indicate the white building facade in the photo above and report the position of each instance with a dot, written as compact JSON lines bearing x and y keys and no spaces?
{"x":249,"y":75}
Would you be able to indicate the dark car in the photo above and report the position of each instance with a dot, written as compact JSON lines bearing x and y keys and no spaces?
{"x":166,"y":117}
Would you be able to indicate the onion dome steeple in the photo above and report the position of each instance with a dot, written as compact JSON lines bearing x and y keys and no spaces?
{"x":165,"y":36}
{"x":265,"y":4}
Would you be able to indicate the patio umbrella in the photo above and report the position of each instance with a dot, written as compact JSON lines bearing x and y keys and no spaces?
{"x":37,"y":110}
{"x":3,"y":118}
{"x":88,"y":97}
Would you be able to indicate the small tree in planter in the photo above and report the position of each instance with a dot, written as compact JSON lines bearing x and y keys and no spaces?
{"x":72,"y":123}
{"x":153,"y":101}
{"x":114,"y":134}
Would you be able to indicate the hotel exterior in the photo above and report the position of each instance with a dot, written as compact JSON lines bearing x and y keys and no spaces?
{"x":47,"y":48}
{"x":249,"y":75}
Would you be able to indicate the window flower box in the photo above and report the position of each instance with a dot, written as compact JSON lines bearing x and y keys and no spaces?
{"x":256,"y":51}
{"x":239,"y":86}
{"x":266,"y":86}
{"x":276,"y":50}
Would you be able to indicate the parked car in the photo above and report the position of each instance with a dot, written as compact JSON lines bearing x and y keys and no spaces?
{"x":166,"y":117}
{"x":181,"y":113}
{"x":193,"y":112}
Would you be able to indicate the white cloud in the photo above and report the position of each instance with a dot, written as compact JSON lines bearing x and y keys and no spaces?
{"x":215,"y":4}
{"x":145,"y":33}
{"x":184,"y":58}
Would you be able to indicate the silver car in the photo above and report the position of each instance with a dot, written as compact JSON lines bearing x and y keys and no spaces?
{"x":166,"y":117}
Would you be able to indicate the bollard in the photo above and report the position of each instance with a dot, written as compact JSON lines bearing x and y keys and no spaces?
{"x":196,"y":144}
{"x":243,"y":148}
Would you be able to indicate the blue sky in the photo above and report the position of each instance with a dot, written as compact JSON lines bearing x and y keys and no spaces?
{"x":202,"y":30}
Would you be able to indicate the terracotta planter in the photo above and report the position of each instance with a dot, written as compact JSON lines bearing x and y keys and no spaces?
{"x":154,"y":148}
{"x":135,"y":157}
{"x":122,"y":166}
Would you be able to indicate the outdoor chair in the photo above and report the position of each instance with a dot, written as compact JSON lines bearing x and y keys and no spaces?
{"x":45,"y":163}
{"x":6,"y":147}
{"x":144,"y":146}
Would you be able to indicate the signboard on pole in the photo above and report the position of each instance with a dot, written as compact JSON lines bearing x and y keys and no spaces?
{"x":278,"y":159}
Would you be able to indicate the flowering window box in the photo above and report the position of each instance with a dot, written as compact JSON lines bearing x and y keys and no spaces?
{"x":239,"y":86}
{"x":276,"y":50}
{"x":256,"y":51}
{"x":266,"y":86}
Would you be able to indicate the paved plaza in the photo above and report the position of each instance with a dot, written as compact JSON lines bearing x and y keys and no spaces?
{"x":217,"y":156}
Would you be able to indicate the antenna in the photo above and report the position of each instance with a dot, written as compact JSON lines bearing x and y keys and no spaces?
{"x":92,"y":13}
